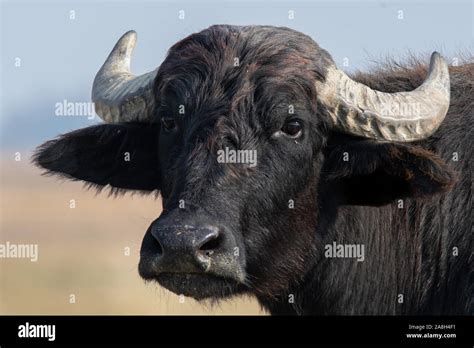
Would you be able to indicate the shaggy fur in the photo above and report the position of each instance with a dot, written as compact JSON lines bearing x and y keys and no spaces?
{"x":241,"y":104}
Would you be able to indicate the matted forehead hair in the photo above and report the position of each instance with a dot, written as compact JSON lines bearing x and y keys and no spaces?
{"x":216,"y":76}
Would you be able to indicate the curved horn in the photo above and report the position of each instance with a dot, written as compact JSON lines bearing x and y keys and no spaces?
{"x":117,"y":94}
{"x":404,"y":116}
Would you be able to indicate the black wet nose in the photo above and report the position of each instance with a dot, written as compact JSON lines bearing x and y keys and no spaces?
{"x":185,"y":248}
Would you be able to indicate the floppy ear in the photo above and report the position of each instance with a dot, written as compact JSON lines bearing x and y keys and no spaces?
{"x":120,"y":155}
{"x":373,"y":173}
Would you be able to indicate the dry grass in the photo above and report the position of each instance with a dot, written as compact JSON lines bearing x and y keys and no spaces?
{"x":82,"y":251}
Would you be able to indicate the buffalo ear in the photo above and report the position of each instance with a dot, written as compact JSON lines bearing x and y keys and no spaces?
{"x":120,"y":155}
{"x":367,"y":172}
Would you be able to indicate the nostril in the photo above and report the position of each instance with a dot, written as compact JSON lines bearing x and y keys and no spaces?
{"x":212,"y":243}
{"x":157,"y":246}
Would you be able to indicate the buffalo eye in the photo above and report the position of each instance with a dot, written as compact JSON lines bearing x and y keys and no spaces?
{"x":292,"y":128}
{"x":168,"y":123}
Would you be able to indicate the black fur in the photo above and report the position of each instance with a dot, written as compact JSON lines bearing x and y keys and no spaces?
{"x":409,"y":250}
{"x":124,"y":156}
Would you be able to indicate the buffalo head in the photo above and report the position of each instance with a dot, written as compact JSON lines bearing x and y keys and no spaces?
{"x":254,"y":138}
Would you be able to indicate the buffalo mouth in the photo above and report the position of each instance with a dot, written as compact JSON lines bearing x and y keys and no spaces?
{"x":195,"y":260}
{"x":197,"y":285}
{"x":214,"y":282}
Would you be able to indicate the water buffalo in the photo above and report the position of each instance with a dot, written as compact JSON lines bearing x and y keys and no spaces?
{"x":359,"y":200}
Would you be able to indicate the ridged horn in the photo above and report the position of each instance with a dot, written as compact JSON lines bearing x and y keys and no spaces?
{"x":357,"y":109}
{"x":117,"y":94}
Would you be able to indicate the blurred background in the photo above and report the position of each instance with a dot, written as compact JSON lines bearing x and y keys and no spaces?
{"x":50,"y":52}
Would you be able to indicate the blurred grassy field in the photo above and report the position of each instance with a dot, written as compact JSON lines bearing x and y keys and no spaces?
{"x":82,"y":251}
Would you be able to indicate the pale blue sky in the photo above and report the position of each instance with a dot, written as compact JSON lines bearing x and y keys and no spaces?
{"x":60,"y":56}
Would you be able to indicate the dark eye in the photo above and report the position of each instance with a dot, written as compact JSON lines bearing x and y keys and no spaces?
{"x":293,"y":128}
{"x":168,"y":124}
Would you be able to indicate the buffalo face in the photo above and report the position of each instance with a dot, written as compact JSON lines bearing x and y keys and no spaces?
{"x":230,"y":138}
